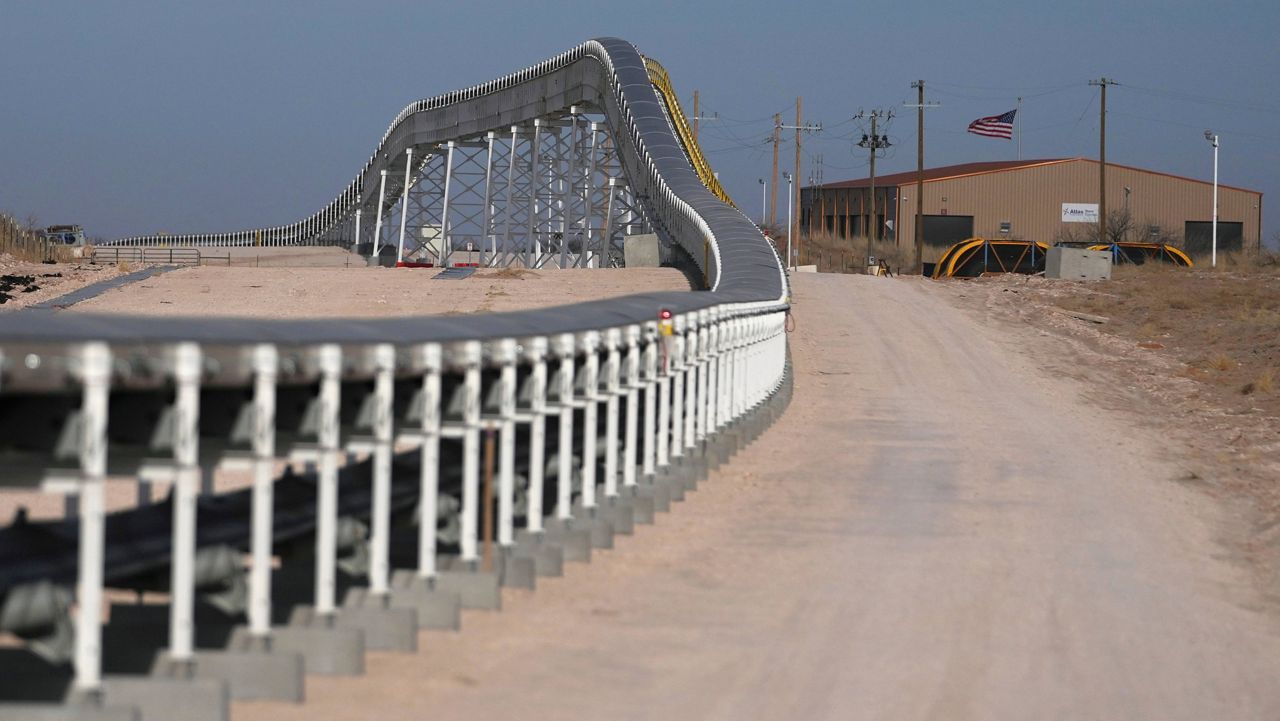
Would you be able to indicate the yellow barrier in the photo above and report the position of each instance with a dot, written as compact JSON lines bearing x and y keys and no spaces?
{"x":662,"y":83}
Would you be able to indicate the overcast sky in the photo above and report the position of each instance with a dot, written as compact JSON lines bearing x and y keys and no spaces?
{"x":137,"y":117}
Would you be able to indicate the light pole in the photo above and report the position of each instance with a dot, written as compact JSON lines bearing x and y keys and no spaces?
{"x":764,"y":191}
{"x":1213,"y":139}
{"x":790,"y":197}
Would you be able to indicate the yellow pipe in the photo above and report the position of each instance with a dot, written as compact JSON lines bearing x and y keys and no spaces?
{"x":662,"y":83}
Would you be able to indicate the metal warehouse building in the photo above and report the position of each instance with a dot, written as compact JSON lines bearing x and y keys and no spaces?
{"x":1044,"y":200}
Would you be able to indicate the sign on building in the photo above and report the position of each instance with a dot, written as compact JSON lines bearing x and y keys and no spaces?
{"x":1080,"y":212}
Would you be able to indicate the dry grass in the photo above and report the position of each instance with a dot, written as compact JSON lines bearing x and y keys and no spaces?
{"x":1223,"y":324}
{"x":1265,"y":383}
{"x":833,"y":254}
{"x":511,"y":273}
{"x":1221,"y":363}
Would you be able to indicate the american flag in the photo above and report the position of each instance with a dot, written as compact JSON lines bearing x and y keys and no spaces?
{"x":996,"y":126}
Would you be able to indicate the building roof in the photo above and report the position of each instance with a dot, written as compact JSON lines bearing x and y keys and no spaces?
{"x":944,"y":173}
{"x":948,"y":172}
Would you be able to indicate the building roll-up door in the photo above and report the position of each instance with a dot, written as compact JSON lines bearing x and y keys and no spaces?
{"x":1199,"y":237}
{"x":944,"y":231}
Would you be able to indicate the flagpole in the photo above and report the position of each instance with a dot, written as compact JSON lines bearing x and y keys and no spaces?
{"x":1018,"y":126}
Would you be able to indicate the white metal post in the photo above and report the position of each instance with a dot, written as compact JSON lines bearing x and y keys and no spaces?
{"x":486,"y":226}
{"x":589,"y":212}
{"x":428,"y":504}
{"x":471,"y":451}
{"x":612,"y":338}
{"x":535,"y":155}
{"x":634,"y":384}
{"x":506,"y":357}
{"x":510,"y":205}
{"x":573,"y":166}
{"x":703,"y":369}
{"x":713,"y":373}
{"x":692,"y":350}
{"x":606,"y":240}
{"x":676,"y":369}
{"x":650,"y":392}
{"x":590,"y":430}
{"x":95,"y":379}
{"x":564,"y":347}
{"x":356,"y":241}
{"x":187,"y":364}
{"x":404,"y":201}
{"x":384,"y":364}
{"x":265,"y":367}
{"x":377,"y":228}
{"x":764,"y":192}
{"x":329,"y":357}
{"x":1214,"y":252}
{"x":537,"y":354}
{"x":446,"y":242}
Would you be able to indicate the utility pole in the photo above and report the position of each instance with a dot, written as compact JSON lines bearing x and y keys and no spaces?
{"x":773,"y":195}
{"x":920,"y":107}
{"x":874,"y":142}
{"x":796,"y":226}
{"x":1102,"y":160}
{"x":793,"y":226}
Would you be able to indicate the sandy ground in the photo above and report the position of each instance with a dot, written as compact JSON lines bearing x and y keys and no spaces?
{"x":1225,"y":442}
{"x":938,"y":528}
{"x":303,"y":292}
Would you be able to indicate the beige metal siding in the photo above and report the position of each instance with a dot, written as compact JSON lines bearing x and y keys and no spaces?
{"x":1031,"y":199}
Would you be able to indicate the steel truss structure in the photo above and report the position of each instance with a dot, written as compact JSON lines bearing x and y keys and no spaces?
{"x":387,"y":423}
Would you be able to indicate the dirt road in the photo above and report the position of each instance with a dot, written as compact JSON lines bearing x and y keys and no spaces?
{"x":935,"y":530}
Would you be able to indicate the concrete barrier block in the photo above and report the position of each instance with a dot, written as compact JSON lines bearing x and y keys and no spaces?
{"x":642,"y":507}
{"x":620,"y":514}
{"x":66,"y":712}
{"x":1066,"y":263}
{"x":641,"y":251}
{"x":249,"y":675}
{"x":574,"y":542}
{"x":325,"y":650}
{"x":658,"y":491}
{"x":547,"y":556}
{"x":384,"y":628}
{"x":164,"y":699}
{"x":516,"y":571}
{"x":435,"y":608}
{"x":475,"y":589}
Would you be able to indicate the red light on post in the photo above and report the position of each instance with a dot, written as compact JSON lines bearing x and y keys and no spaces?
{"x":664,"y":314}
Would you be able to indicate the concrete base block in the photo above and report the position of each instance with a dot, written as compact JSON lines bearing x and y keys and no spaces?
{"x":515,"y":571}
{"x":66,"y":712}
{"x":574,"y":542}
{"x":547,"y":557}
{"x":436,"y":609}
{"x":164,"y":699}
{"x":249,"y":675}
{"x":599,"y":529}
{"x":658,"y":492}
{"x":325,"y":650}
{"x":642,"y":507}
{"x":670,"y":478}
{"x":475,"y":589}
{"x":384,"y":628}
{"x":620,"y":514}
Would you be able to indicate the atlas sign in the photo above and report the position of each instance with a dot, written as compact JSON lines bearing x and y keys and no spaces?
{"x":1080,"y":212}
